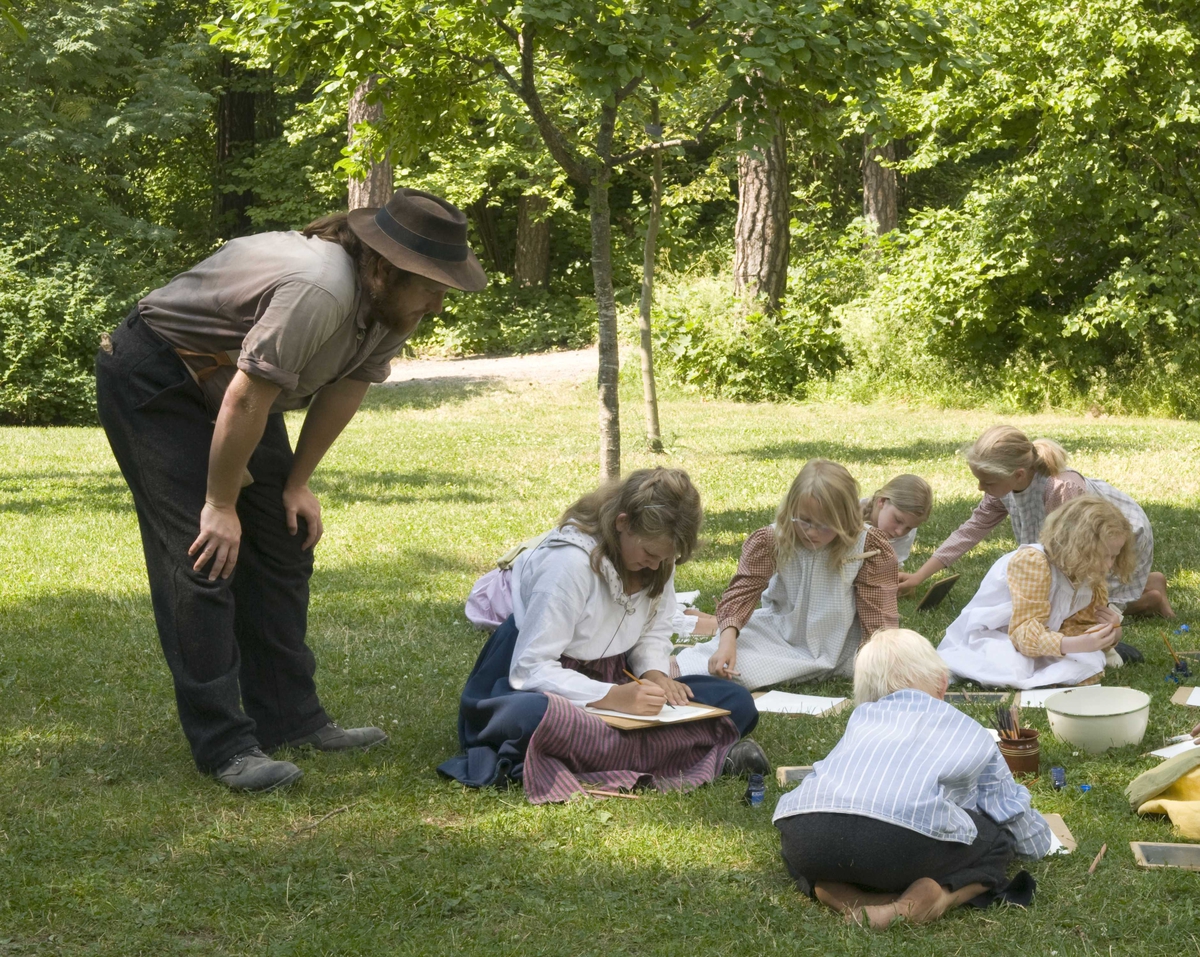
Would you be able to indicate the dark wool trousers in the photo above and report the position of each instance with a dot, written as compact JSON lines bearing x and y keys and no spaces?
{"x":236,"y":647}
{"x":880,"y":856}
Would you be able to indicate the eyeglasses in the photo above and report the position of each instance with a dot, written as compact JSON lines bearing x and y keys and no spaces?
{"x":811,"y":527}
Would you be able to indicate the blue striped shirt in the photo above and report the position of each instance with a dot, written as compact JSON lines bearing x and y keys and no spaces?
{"x":913,"y":760}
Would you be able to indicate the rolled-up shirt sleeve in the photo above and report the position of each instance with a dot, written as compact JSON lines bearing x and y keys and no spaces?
{"x":378,"y":365}
{"x":653,"y":649}
{"x":552,"y":610}
{"x":299,"y":318}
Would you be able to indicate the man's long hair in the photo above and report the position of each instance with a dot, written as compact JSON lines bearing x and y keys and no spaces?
{"x":378,"y":278}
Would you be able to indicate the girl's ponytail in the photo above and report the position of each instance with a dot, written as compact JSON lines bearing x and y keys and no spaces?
{"x":1050,"y":458}
{"x":1002,"y":450}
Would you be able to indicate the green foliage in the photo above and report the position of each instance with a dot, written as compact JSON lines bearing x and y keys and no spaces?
{"x":503,"y":320}
{"x":1072,"y":261}
{"x":708,"y":339}
{"x":101,"y":194}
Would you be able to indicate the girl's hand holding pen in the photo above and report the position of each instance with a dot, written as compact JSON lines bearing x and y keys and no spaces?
{"x":643,"y":697}
{"x":723,"y":661}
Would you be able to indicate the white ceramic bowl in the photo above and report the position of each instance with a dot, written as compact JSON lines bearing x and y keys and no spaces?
{"x":1097,"y":719}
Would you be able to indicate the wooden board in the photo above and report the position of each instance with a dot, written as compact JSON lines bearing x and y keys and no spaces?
{"x":1181,"y":696}
{"x":634,"y":723}
{"x":792,"y":774}
{"x":977,"y":697}
{"x":937,"y":591}
{"x":1061,"y":831}
{"x":1150,"y":854}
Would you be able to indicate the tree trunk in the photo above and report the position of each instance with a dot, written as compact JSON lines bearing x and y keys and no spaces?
{"x":484,"y":217}
{"x":879,"y":186}
{"x":235,"y":136}
{"x":760,"y":258}
{"x":606,"y":309}
{"x":532,"y":264}
{"x":649,"y":392}
{"x":376,"y":189}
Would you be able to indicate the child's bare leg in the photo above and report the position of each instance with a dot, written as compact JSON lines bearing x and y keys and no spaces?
{"x":1154,"y":599}
{"x":706,"y":624}
{"x":924,"y":901}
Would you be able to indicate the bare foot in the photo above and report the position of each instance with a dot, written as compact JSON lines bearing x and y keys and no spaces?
{"x":848,"y":899}
{"x":1154,"y":599}
{"x":924,"y":900}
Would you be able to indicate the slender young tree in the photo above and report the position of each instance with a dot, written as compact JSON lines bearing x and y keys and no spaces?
{"x":649,"y":256}
{"x":574,"y":68}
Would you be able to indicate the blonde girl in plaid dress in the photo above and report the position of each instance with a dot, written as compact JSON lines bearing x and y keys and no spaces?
{"x":898,"y":510}
{"x":1041,"y":616}
{"x":1026,"y":481}
{"x":821,"y":580}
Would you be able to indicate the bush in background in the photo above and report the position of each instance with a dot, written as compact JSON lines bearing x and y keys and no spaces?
{"x":502,"y":320}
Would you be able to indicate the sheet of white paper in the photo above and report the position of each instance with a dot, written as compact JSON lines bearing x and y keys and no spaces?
{"x":1036,"y":697}
{"x":784,"y":702}
{"x":995,"y":734}
{"x":666,"y":716}
{"x":686,"y":598}
{"x":1174,"y":749}
{"x":1194,"y":698}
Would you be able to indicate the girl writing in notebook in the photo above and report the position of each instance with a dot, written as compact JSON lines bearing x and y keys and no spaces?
{"x":1026,"y":481}
{"x":898,"y":510}
{"x":1041,"y":616}
{"x":591,"y":629}
{"x":822,"y":581}
{"x":914,"y":810}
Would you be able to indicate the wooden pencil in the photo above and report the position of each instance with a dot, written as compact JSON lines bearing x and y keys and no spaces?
{"x":1096,"y":862}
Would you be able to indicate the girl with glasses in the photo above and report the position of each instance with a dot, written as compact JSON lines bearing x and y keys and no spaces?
{"x":807,"y":589}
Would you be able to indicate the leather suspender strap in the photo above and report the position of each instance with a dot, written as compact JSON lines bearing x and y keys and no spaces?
{"x":206,"y":371}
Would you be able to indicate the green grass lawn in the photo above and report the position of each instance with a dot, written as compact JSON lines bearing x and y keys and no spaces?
{"x":112,"y":843}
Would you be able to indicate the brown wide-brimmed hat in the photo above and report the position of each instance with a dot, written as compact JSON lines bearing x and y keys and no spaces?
{"x":422,"y":233}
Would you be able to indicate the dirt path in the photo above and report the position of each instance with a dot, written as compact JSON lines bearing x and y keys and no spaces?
{"x":538,"y":367}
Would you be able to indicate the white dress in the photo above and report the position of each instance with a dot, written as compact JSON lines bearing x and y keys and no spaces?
{"x":977,"y":645}
{"x":806,"y":628}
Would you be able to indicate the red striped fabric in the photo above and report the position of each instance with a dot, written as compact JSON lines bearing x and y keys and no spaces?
{"x":571,"y":748}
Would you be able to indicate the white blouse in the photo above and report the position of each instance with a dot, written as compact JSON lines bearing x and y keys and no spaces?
{"x":563,"y":607}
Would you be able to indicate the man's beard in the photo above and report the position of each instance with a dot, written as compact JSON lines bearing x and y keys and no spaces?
{"x":390,"y":311}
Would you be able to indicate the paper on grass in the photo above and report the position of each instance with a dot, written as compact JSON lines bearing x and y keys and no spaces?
{"x":1194,"y":698}
{"x":1036,"y":697}
{"x":1174,"y":749}
{"x":668,"y":715}
{"x":784,"y":702}
{"x":687,"y":597}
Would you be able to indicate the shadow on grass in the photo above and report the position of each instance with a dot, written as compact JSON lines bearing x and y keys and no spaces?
{"x":25,"y":493}
{"x":352,"y":486}
{"x":430,"y":393}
